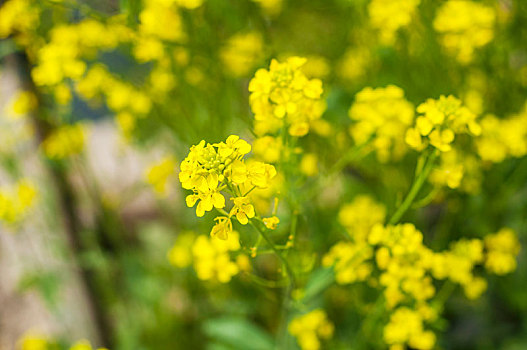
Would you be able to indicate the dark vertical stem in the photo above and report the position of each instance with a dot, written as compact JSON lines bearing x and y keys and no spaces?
{"x":67,"y":206}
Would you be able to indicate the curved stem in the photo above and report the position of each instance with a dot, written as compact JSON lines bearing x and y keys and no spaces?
{"x":414,"y":190}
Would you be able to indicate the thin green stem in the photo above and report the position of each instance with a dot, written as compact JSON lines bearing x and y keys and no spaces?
{"x":414,"y":190}
{"x":267,"y":283}
{"x":278,"y":253}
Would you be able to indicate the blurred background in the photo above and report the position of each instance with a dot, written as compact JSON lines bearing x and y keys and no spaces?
{"x":101,"y":100}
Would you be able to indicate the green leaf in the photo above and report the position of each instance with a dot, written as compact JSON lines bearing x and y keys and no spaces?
{"x":320,"y":280}
{"x":238,"y":333}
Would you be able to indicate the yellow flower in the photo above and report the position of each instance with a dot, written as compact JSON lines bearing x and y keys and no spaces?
{"x":387,"y":16}
{"x":157,"y":175}
{"x":350,"y":261}
{"x":24,"y":102}
{"x":65,"y":141}
{"x":271,"y":222}
{"x":502,"y":138}
{"x":284,"y":96}
{"x":450,"y":172}
{"x":359,"y":216}
{"x":464,"y":26}
{"x":308,"y":164}
{"x":212,"y":259}
{"x":260,"y":174}
{"x":243,"y":209}
{"x":310,"y":328}
{"x":406,"y":326}
{"x":382,"y":116}
{"x":16,"y":201}
{"x":502,"y":248}
{"x":440,"y":121}
{"x":32,"y":341}
{"x":180,"y":255}
{"x":18,"y":17}
{"x":271,"y":7}
{"x":242,"y":52}
{"x":222,"y":228}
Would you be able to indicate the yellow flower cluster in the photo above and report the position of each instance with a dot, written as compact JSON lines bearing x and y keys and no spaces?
{"x":406,"y":327}
{"x":502,"y":248}
{"x":210,"y":168}
{"x":350,"y":261}
{"x":65,"y":141}
{"x":121,"y":97}
{"x":63,"y":56}
{"x":241,"y":52}
{"x":382,"y":116}
{"x":212,"y":260}
{"x":284,"y":97}
{"x":83,"y":345}
{"x":311,"y":328}
{"x":127,"y":101}
{"x":354,"y":63}
{"x":457,"y":265}
{"x":23,"y":103}
{"x":268,"y":148}
{"x":359,"y":216}
{"x":210,"y":256}
{"x":440,"y":121}
{"x":401,"y":258}
{"x":180,"y":255}
{"x":450,"y":170}
{"x":155,"y":18}
{"x":388,"y":16}
{"x":158,"y":174}
{"x":16,"y":201}
{"x":34,"y":341}
{"x":316,"y":67}
{"x":502,"y":138}
{"x":18,"y":17}
{"x":464,"y":26}
{"x":271,"y":7}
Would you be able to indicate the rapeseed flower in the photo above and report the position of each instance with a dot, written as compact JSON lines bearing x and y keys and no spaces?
{"x":464,"y":26}
{"x":382,"y":116}
{"x":284,"y":96}
{"x":310,"y":329}
{"x":440,"y":121}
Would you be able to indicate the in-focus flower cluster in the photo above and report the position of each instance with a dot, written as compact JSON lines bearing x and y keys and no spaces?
{"x":387,"y":16}
{"x":65,"y":141}
{"x":439,"y":123}
{"x":311,"y":328}
{"x":16,"y":201}
{"x":210,"y":169}
{"x":382,"y":116}
{"x":464,"y":26}
{"x":283,"y":97}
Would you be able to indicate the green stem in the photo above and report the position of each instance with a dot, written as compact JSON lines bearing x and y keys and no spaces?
{"x":414,"y":190}
{"x":278,"y":253}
